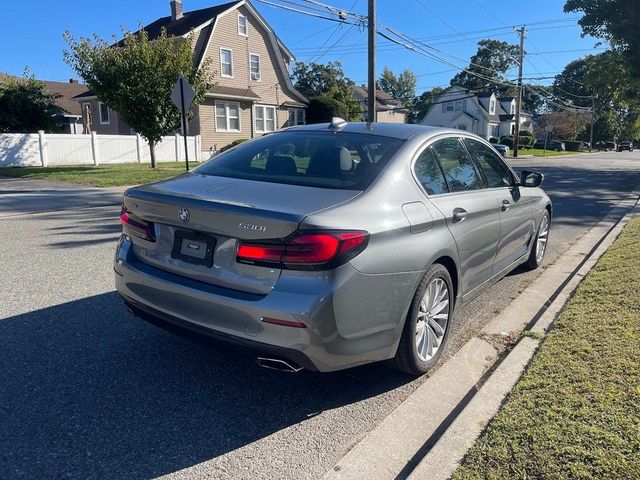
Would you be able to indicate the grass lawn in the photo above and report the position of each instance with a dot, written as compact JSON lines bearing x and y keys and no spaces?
{"x":576,"y":411}
{"x":102,"y":176}
{"x":537,"y":152}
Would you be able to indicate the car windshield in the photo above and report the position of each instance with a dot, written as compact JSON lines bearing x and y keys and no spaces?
{"x":322,"y":159}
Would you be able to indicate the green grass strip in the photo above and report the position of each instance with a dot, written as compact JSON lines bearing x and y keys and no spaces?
{"x":575,"y":413}
{"x":101,"y":176}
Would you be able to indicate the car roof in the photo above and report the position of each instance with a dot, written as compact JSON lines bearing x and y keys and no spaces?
{"x":403,"y":131}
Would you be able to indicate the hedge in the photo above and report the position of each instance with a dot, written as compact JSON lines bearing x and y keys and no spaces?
{"x":233,"y":144}
{"x":494,"y":140}
{"x":507,"y":140}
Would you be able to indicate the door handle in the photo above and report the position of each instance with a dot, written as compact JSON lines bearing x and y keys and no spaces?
{"x":505,"y":205}
{"x":459,"y":214}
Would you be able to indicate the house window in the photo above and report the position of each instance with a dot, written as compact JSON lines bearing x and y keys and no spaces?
{"x":227,"y":116}
{"x":493,"y":130}
{"x":492,"y":107}
{"x":254,"y":67}
{"x":243,"y":28}
{"x":458,"y":105}
{"x":105,"y":118}
{"x":513,"y":109}
{"x":264,"y":118}
{"x":462,"y":127}
{"x":226,"y":62}
{"x":391,"y":112}
{"x":296,"y":116}
{"x":513,"y":128}
{"x":449,"y":107}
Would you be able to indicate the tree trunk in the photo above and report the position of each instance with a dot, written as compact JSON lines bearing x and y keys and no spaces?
{"x":152,"y":151}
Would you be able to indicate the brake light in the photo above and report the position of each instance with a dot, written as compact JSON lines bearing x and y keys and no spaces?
{"x":305,"y":250}
{"x":136,"y":226}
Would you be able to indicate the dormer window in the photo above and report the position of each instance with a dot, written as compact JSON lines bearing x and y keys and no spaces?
{"x":243,"y":28}
{"x":513,"y":108}
{"x":492,"y":107}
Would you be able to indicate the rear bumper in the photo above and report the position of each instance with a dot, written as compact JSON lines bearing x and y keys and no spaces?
{"x":217,"y":339}
{"x":351,"y":318}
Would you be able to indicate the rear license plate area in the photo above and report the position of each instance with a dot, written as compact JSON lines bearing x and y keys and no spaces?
{"x":193,"y":247}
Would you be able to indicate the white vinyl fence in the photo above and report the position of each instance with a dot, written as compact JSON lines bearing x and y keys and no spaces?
{"x":40,"y":149}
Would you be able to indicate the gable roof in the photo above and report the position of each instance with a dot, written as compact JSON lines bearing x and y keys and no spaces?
{"x":384,"y":101}
{"x":67,"y":92}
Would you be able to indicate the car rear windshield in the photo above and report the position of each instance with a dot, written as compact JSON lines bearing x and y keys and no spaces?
{"x":338,"y":160}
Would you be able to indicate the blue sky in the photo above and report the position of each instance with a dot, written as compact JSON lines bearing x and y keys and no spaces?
{"x":32,"y":33}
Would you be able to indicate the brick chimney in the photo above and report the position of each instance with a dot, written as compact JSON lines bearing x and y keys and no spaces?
{"x":176,"y":10}
{"x":73,"y":80}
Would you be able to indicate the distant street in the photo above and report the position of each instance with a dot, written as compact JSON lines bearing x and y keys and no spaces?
{"x":87,"y":391}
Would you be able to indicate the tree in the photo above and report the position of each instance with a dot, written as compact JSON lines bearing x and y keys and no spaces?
{"x":492,"y":60}
{"x":323,"y":108}
{"x":614,"y":20}
{"x":566,"y":125}
{"x":401,"y":87}
{"x":421,"y":104}
{"x":26,"y":106}
{"x":327,"y":80}
{"x":610,"y":79}
{"x":135,"y":77}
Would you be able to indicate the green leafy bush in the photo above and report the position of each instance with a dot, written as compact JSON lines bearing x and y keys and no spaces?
{"x":233,"y":144}
{"x":322,"y":108}
{"x":494,"y":140}
{"x":507,"y":140}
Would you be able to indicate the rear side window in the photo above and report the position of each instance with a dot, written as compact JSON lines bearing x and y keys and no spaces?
{"x":309,"y":158}
{"x":429,"y":173}
{"x":495,"y":172}
{"x":457,"y":167}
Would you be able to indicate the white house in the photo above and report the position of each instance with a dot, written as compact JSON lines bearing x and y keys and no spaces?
{"x":481,"y":113}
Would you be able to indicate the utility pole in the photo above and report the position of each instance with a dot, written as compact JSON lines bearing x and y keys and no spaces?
{"x":516,"y":134}
{"x":593,"y":119}
{"x":371,"y":77}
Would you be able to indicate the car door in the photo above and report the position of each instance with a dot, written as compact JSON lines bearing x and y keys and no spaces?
{"x":454,"y":187}
{"x":516,"y":209}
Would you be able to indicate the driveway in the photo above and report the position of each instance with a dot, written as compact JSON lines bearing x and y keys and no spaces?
{"x":87,"y":391}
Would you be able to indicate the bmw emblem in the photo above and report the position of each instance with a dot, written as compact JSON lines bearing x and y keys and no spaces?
{"x":183,"y":214}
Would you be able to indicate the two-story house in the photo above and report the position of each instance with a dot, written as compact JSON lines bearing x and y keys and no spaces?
{"x":388,"y":109}
{"x":484,"y":114}
{"x":253,"y":93}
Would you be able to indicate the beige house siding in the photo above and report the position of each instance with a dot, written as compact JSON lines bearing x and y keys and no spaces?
{"x":116,"y":125}
{"x":387,"y":117}
{"x":272,"y":84}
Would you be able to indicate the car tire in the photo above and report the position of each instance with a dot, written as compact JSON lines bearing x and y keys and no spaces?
{"x":416,"y":354}
{"x":540,"y":242}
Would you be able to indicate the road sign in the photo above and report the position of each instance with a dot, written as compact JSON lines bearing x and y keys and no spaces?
{"x":182,"y":91}
{"x":182,"y":96}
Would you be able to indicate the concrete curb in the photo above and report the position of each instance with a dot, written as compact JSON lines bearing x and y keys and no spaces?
{"x":407,"y":437}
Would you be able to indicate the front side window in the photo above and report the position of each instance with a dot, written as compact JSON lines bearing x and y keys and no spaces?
{"x":265,"y":118}
{"x":104,"y":114}
{"x":227,"y":116}
{"x":226,"y":62}
{"x":429,"y":173}
{"x":323,"y":159}
{"x":254,"y":66}
{"x":296,"y":117}
{"x":457,"y":167}
{"x":458,"y":105}
{"x":243,"y":29}
{"x":494,"y":170}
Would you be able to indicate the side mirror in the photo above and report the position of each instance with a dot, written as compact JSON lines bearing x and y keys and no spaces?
{"x":531,"y":179}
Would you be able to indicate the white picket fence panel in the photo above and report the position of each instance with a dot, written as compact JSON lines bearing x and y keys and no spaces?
{"x":40,"y":149}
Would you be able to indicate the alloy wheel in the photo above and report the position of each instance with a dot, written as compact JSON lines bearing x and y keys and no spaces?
{"x":543,"y":236}
{"x":433,"y":318}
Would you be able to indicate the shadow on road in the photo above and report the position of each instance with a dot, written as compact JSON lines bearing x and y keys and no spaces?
{"x":90,"y":392}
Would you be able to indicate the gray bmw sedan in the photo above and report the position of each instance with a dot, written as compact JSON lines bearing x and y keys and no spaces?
{"x":332,"y":245}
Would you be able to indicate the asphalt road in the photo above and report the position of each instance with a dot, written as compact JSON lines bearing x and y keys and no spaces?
{"x":87,"y":391}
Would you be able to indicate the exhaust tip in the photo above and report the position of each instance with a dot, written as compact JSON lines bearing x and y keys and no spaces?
{"x":279,"y":364}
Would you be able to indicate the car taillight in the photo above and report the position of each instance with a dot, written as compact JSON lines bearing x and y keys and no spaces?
{"x":305,"y":250}
{"x":136,"y":226}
